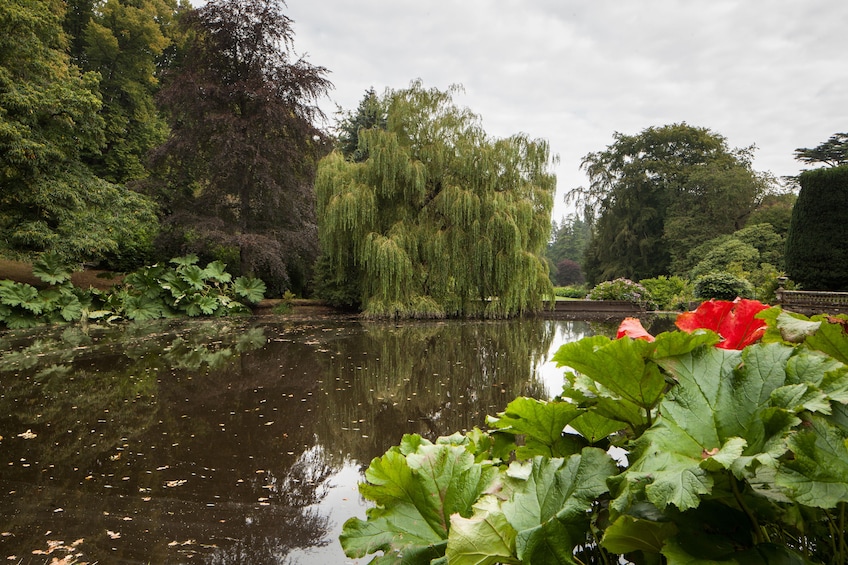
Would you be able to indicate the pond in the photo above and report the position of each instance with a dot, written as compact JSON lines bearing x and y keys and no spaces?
{"x":238,"y":440}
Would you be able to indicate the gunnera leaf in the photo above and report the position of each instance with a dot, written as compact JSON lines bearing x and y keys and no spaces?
{"x":416,"y":493}
{"x":542,"y":424}
{"x":549,"y":509}
{"x":51,"y":269}
{"x":249,"y":288}
{"x":818,"y":474}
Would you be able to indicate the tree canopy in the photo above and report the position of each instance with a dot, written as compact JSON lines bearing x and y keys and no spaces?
{"x":438,"y":219}
{"x":660,"y":193}
{"x":49,"y":120}
{"x":833,"y":152}
{"x":567,"y":247}
{"x":239,"y":164}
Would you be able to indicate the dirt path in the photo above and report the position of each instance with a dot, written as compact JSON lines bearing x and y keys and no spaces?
{"x":22,"y":272}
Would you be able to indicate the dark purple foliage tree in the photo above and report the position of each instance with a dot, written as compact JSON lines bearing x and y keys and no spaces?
{"x":569,"y":273}
{"x":239,"y":166}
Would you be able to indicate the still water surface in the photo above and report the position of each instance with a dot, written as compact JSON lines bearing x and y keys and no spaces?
{"x":237,"y":441}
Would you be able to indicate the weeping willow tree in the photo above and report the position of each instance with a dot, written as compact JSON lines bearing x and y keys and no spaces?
{"x":439,"y":220}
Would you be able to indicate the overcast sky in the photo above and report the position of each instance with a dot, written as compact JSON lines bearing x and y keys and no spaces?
{"x":768,"y":72}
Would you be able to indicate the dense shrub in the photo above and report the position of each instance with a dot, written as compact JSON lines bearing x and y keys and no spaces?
{"x":669,"y":293}
{"x":623,"y":289}
{"x":572,"y":291}
{"x":817,"y":242}
{"x":156,"y":291}
{"x":722,"y":286}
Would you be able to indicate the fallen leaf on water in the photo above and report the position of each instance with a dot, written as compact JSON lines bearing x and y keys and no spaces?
{"x":27,"y":435}
{"x":186,"y":542}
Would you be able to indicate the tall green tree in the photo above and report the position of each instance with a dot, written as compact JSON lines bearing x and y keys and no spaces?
{"x":817,"y":244}
{"x":369,"y":114}
{"x":568,"y":242}
{"x":439,"y":219}
{"x":122,"y":42}
{"x":49,"y":118}
{"x":660,"y":193}
{"x":239,"y":164}
{"x":775,"y":209}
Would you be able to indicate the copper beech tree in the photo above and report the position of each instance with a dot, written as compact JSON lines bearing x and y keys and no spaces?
{"x":238,"y":167}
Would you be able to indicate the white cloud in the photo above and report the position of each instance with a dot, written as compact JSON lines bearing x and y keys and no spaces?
{"x":764,"y":72}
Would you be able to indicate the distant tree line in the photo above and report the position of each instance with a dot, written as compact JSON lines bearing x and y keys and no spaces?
{"x":676,"y":201}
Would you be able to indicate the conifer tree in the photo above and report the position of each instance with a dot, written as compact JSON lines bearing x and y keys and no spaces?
{"x":817,"y":243}
{"x":439,"y":219}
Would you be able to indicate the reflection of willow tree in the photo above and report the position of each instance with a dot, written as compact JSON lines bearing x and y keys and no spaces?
{"x":431,"y":379}
{"x":303,"y":486}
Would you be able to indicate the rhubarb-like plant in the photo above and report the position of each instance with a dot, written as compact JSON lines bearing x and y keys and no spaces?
{"x":730,"y":441}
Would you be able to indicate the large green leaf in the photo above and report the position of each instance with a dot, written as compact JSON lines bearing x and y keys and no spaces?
{"x":142,"y":308}
{"x":618,"y":365}
{"x":416,"y":493}
{"x":831,"y":339}
{"x":818,"y":474}
{"x":628,"y":534}
{"x":486,"y":538}
{"x":548,"y":510}
{"x":721,"y":393}
{"x":185,"y":261}
{"x":249,"y":288}
{"x":588,"y":393}
{"x":51,"y":269}
{"x":201,"y":305}
{"x":21,"y":294}
{"x":542,"y":424}
{"x":718,"y":417}
{"x":194,"y":276}
{"x":217,"y":271}
{"x":595,"y":427}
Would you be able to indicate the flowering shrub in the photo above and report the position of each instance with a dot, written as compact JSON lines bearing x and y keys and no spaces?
{"x":623,"y":289}
{"x":735,"y":447}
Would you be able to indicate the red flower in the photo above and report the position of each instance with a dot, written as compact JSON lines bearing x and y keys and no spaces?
{"x":632,"y":328}
{"x":733,"y":321}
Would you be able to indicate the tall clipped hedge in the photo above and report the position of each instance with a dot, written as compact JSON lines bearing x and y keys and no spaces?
{"x":817,"y":242}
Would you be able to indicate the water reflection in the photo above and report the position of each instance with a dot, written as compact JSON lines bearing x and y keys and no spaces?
{"x":233,"y":441}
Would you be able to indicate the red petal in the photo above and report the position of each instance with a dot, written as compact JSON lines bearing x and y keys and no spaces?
{"x":733,"y":321}
{"x":708,"y":316}
{"x":632,"y":328}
